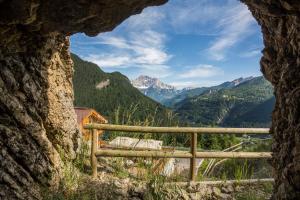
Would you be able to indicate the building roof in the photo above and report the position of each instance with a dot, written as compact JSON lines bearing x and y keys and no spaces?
{"x":83,"y":112}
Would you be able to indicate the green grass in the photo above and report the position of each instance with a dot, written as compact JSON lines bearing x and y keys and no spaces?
{"x":119,"y":168}
{"x":73,"y":175}
{"x":127,"y":116}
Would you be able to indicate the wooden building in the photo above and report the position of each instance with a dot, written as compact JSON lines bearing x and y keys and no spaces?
{"x":85,"y":116}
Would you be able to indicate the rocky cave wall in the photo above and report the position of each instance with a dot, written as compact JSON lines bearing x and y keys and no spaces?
{"x":37,"y":119}
{"x":280,"y":64}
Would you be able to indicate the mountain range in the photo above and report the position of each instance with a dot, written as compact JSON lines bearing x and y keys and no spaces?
{"x":242,"y":102}
{"x":169,"y":95}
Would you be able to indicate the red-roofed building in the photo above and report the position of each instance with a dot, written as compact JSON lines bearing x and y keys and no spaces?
{"x":85,"y":116}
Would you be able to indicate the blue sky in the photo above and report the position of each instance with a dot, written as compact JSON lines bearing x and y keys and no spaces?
{"x":186,"y":43}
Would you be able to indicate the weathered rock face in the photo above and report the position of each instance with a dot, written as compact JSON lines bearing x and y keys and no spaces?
{"x":37,"y":119}
{"x":36,"y":115}
{"x":280,"y":22}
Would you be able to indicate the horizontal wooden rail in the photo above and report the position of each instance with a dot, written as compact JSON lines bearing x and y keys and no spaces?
{"x":180,"y":154}
{"x":222,"y":154}
{"x":187,"y":130}
{"x":149,"y":154}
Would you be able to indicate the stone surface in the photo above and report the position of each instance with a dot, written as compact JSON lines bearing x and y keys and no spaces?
{"x":37,"y":120}
{"x":29,"y":123}
{"x":227,"y":189}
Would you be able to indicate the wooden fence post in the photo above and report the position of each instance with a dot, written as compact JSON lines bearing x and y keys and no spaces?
{"x":193,"y":170}
{"x":93,"y":151}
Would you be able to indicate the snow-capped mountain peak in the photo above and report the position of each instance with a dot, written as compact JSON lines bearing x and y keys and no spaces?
{"x":145,"y":82}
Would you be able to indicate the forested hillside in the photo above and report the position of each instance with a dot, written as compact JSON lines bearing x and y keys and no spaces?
{"x":113,"y":96}
{"x":248,"y":104}
{"x":109,"y":93}
{"x":189,"y":93}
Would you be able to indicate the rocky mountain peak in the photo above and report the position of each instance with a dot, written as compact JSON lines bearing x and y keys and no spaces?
{"x":241,"y":80}
{"x":145,"y":82}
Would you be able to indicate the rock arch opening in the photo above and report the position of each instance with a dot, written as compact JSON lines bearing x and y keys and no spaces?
{"x":177,"y":46}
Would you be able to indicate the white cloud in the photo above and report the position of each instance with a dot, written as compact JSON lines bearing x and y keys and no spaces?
{"x":235,"y":26}
{"x":109,"y":60}
{"x":250,"y":54}
{"x":227,"y":20}
{"x":202,"y":71}
{"x":148,"y":38}
{"x":191,"y":17}
{"x":149,"y":19}
{"x":117,"y":42}
{"x":137,"y":49}
{"x":150,"y":56}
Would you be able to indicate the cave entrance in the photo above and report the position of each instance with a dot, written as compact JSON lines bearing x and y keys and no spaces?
{"x":36,"y":101}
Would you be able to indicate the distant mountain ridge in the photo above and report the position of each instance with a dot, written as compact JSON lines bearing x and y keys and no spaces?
{"x":247,"y":104}
{"x":200,"y":90}
{"x":169,"y":95}
{"x":240,"y":80}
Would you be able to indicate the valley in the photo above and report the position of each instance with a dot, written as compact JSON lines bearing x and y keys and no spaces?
{"x":243,"y":102}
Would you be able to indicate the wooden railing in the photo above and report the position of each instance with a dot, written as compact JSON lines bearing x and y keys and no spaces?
{"x":192,"y":155}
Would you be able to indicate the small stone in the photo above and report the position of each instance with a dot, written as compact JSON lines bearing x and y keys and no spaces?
{"x":126,"y":181}
{"x":230,"y":188}
{"x":224,"y":196}
{"x":239,"y":188}
{"x":208,"y":191}
{"x":194,"y":196}
{"x":135,"y":198}
{"x":109,"y":169}
{"x":190,"y":189}
{"x":185,"y":195}
{"x":139,"y":190}
{"x":216,"y":191}
{"x":129,"y":163}
{"x":224,"y":190}
{"x":227,"y":189}
{"x":118,"y":184}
